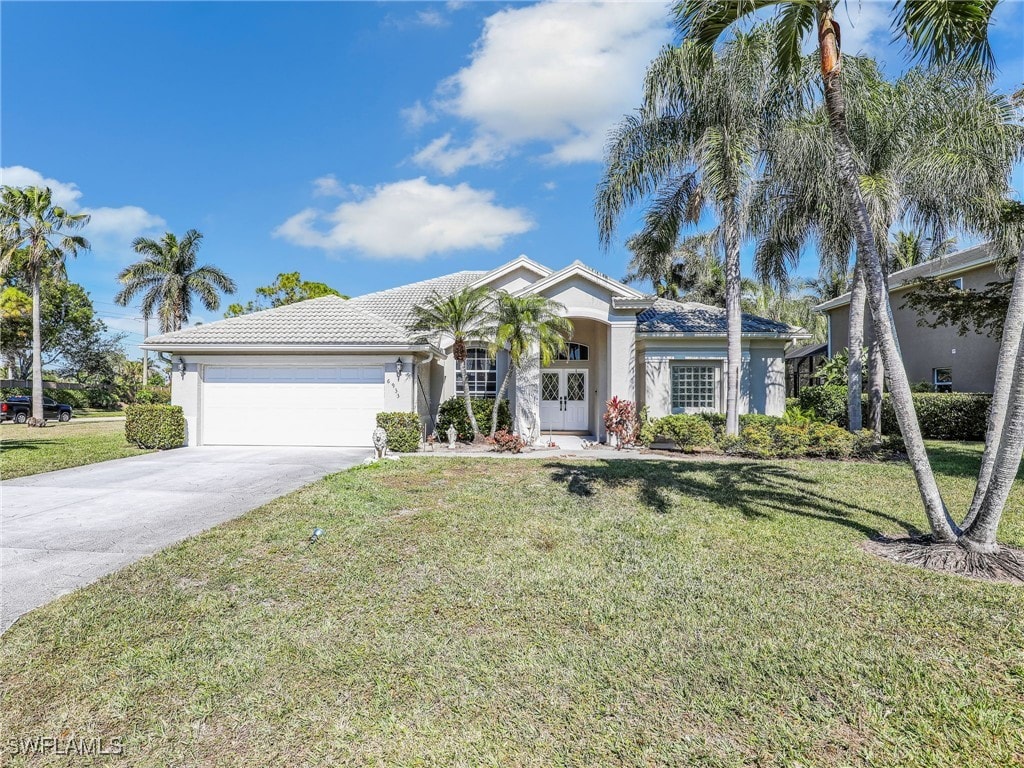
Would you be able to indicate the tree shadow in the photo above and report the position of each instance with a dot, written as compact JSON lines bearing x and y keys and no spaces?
{"x":955,"y":459}
{"x":755,"y":489}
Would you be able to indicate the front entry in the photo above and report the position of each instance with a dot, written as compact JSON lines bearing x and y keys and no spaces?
{"x":563,"y":400}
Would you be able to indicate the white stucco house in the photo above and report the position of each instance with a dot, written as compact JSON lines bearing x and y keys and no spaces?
{"x":317,"y":372}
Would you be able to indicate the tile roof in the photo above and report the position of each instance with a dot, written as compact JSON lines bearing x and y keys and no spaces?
{"x":327,"y":320}
{"x":396,"y":304}
{"x":672,"y":317}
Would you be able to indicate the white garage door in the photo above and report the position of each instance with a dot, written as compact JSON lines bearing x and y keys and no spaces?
{"x":295,"y":405}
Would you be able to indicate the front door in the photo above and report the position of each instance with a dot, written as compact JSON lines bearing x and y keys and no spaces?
{"x":563,"y":400}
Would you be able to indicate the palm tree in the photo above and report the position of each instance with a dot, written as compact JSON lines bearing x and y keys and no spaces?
{"x":37,"y":236}
{"x":168,"y":278}
{"x":459,"y":316}
{"x":689,"y":270}
{"x":694,"y":144}
{"x":934,"y":30}
{"x":526,"y":326}
{"x":908,"y":249}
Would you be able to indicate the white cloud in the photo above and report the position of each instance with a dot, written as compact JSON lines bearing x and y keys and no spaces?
{"x":327,"y":186}
{"x":866,"y":28}
{"x":550,"y":186}
{"x":432,"y":18}
{"x":418,"y":115}
{"x":64,"y":194}
{"x":557,"y":73}
{"x":110,"y":230}
{"x":408,"y":219}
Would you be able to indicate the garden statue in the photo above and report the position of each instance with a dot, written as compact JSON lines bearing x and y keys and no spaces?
{"x":452,"y":434}
{"x":380,"y":442}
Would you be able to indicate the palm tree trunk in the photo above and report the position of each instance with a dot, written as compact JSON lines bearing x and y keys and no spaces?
{"x":876,"y":388}
{"x":468,"y":399}
{"x":855,"y":364}
{"x":1009,"y":350}
{"x":37,"y":354}
{"x":981,"y":535}
{"x":943,"y":528}
{"x":734,"y":317}
{"x":497,"y":400}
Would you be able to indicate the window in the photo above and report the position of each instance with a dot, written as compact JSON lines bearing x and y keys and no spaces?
{"x":958,"y":283}
{"x":574,"y":351}
{"x":694,"y":387}
{"x":481,"y":370}
{"x":942,"y":379}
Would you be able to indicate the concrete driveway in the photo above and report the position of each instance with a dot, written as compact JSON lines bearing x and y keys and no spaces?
{"x":62,"y":530}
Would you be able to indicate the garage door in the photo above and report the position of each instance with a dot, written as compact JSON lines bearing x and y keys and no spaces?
{"x":295,"y":405}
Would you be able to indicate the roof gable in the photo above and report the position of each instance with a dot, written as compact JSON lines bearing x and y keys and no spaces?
{"x":580,"y":270}
{"x":522,"y":264}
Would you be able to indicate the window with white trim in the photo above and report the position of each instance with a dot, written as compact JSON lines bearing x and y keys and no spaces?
{"x":481,"y":372}
{"x":958,"y":283}
{"x":694,"y":387}
{"x":942,"y":379}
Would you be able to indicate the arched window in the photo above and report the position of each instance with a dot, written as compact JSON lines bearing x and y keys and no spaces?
{"x":575,"y":351}
{"x":481,"y":371}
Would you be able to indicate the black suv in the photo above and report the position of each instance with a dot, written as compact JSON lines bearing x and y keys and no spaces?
{"x":19,"y":408}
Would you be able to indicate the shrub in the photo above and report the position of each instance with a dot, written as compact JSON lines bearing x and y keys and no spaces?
{"x":453,"y":411}
{"x":620,"y":419}
{"x":153,"y":396}
{"x":790,"y":440}
{"x":717,"y":423}
{"x":97,"y":397}
{"x":829,"y":440}
{"x":797,"y":416}
{"x":688,"y":432}
{"x":827,"y":403}
{"x":944,"y":415}
{"x":756,"y":439}
{"x":403,"y":430}
{"x":506,"y":442}
{"x":155,"y":426}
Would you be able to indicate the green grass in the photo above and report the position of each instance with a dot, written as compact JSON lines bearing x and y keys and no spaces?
{"x":91,"y":413}
{"x":29,"y":451}
{"x":543,"y":613}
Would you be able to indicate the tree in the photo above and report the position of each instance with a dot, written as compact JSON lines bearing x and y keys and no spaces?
{"x":287,"y":288}
{"x":458,"y":316}
{"x":37,"y":237}
{"x":168,"y":278}
{"x":940,"y":304}
{"x":939,"y":32}
{"x":693,"y":144}
{"x":525,"y":326}
{"x":15,"y":329}
{"x":908,"y":249}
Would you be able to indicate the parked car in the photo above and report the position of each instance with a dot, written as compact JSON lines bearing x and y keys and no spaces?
{"x":19,"y":408}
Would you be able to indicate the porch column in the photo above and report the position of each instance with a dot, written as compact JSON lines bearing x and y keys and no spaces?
{"x":527,"y":399}
{"x":621,"y":361}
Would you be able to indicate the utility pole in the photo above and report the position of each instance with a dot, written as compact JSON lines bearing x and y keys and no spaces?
{"x":145,"y":352}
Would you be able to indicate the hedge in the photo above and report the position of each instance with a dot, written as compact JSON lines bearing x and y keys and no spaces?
{"x":688,"y":432}
{"x":403,"y":430}
{"x":155,"y":426}
{"x":153,"y":396}
{"x":94,"y":397}
{"x":453,"y":411}
{"x":942,"y":415}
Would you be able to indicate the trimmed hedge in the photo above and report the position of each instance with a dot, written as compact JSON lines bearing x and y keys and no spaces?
{"x":403,"y":430}
{"x":453,"y":411}
{"x":94,"y":397}
{"x":688,"y":432}
{"x":155,"y":426}
{"x":942,"y":415}
{"x":153,"y":396}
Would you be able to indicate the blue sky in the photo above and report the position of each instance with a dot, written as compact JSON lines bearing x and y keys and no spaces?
{"x":363,"y":144}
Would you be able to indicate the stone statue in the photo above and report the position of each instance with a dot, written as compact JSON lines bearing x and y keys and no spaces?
{"x":380,"y":442}
{"x":452,"y":434}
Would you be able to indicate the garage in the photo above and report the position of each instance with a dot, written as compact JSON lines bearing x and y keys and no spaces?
{"x":325,"y":405}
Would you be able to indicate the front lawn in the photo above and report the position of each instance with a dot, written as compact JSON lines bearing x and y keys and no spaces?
{"x":31,"y":450}
{"x":542,"y":612}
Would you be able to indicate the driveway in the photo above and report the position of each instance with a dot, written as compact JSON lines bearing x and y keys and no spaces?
{"x":62,"y":530}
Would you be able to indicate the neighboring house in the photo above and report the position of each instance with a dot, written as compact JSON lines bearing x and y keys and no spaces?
{"x":937,"y":356}
{"x":317,"y":372}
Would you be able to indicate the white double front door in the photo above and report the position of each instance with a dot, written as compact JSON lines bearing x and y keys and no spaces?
{"x":563,"y":400}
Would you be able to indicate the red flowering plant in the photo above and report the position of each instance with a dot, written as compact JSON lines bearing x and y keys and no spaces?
{"x":620,"y":419}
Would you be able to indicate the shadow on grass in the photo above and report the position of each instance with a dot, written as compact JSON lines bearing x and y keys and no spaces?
{"x":755,"y":489}
{"x":955,"y":459}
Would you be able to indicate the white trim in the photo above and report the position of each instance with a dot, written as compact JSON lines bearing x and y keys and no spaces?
{"x":522,"y":261}
{"x":288,"y":349}
{"x":709,"y":335}
{"x":579,"y":269}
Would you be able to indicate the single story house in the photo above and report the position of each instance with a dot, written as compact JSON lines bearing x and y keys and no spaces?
{"x":317,"y":372}
{"x":939,"y":357}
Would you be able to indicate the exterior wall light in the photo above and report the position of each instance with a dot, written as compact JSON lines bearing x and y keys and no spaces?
{"x":398,"y":367}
